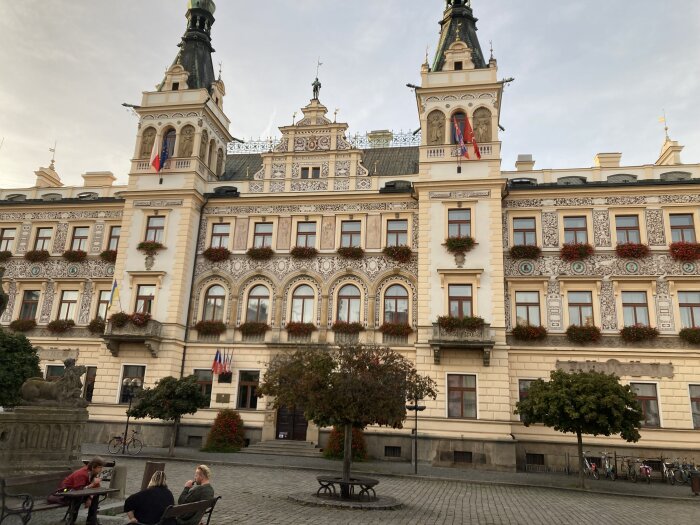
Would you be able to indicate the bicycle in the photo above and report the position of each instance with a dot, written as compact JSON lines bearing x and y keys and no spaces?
{"x":682,"y":471}
{"x":133,"y":444}
{"x":590,"y":468}
{"x":610,"y":469}
{"x":631,"y":465}
{"x":668,"y":472}
{"x":645,"y":471}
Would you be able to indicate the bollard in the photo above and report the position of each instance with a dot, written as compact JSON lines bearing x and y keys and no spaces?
{"x":695,"y":482}
{"x":148,"y":470}
{"x":118,"y":481}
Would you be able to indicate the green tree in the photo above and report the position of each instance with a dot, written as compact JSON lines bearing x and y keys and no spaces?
{"x":591,"y":403}
{"x":352,"y":386}
{"x":18,"y":362}
{"x":169,"y":400}
{"x":227,"y":433}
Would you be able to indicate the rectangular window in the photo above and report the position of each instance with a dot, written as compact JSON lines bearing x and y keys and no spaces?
{"x":635,"y":308}
{"x":114,"y":233}
{"x":43,"y":238}
{"x":89,"y":388}
{"x":627,"y":229}
{"x":575,"y":231}
{"x":646,"y":395}
{"x":306,"y":234}
{"x":7,"y":239}
{"x":397,"y":233}
{"x":205,"y":378}
{"x":305,"y":173}
{"x":54,"y":372}
{"x":350,"y":233}
{"x":534,"y":459}
{"x":103,"y":299}
{"x":392,"y":451}
{"x":523,"y":387}
{"x":219,"y":235}
{"x":79,"y":240}
{"x":130,"y":372}
{"x":524,"y":231}
{"x":695,"y":404}
{"x":689,"y":304}
{"x":247,"y":388}
{"x":682,"y":228}
{"x":68,"y":305}
{"x":460,"y":298}
{"x":461,"y":396}
{"x":262,"y":235}
{"x":155,"y":228}
{"x":527,"y":308}
{"x":581,"y":308}
{"x":30,"y":304}
{"x":313,"y":172}
{"x":459,"y":223}
{"x":144,"y":298}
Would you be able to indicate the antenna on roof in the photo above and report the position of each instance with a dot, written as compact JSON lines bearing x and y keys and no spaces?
{"x":53,"y":157}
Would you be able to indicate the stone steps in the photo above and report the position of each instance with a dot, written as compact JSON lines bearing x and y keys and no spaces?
{"x":284,"y":448}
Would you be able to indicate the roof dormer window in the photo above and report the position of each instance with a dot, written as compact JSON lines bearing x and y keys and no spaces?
{"x":176,"y":86}
{"x":458,"y":66}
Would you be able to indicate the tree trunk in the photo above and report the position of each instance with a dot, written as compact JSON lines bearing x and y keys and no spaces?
{"x":173,"y":437}
{"x":347,"y":461}
{"x":581,"y":466}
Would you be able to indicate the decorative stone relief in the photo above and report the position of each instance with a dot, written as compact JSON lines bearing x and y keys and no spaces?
{"x":255,"y":187}
{"x":342,"y":143}
{"x":555,"y":314}
{"x":240,"y":240}
{"x":278,"y":170}
{"x":341,"y":184}
{"x":97,"y":237}
{"x":277,"y":187}
{"x":608,"y":310}
{"x":328,"y":233}
{"x":59,"y":240}
{"x":284,"y":231}
{"x":85,"y":303}
{"x":613,"y":366}
{"x":626,"y":200}
{"x":57,"y":216}
{"x":506,"y":233}
{"x":58,"y":268}
{"x":309,"y":185}
{"x":312,"y":143}
{"x":361,"y":171}
{"x":202,"y":236}
{"x":655,"y":228}
{"x":414,"y":233}
{"x":309,"y":209}
{"x":374,"y":232}
{"x":283,"y":145}
{"x":46,"y":306}
{"x":24,"y":235}
{"x":379,"y":307}
{"x":342,"y":168}
{"x":260,"y":174}
{"x":459,"y":194}
{"x":688,"y":198}
{"x":11,"y":297}
{"x":550,"y":229}
{"x":664,"y":307}
{"x":436,"y":128}
{"x":363,"y":184}
{"x":507,"y":307}
{"x":601,"y":228}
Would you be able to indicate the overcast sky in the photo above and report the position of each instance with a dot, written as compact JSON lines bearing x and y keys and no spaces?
{"x":591,"y":76}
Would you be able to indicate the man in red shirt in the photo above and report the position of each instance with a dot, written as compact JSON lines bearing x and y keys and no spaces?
{"x":84,"y":478}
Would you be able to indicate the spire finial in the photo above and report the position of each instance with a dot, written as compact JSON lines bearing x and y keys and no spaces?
{"x":316,"y":84}
{"x":53,"y":156}
{"x":491,"y":44}
{"x":665,"y":123}
{"x":220,"y":64}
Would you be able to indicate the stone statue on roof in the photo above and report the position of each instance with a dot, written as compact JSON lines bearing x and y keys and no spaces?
{"x":317,"y":88}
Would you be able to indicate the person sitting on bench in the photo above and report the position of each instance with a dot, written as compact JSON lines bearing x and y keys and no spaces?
{"x":87,"y":477}
{"x":195,"y":490}
{"x":147,"y":506}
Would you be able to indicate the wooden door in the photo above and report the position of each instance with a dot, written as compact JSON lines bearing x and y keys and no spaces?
{"x":291,"y":424}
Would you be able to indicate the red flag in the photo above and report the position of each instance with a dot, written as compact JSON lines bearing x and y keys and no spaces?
{"x":463,"y":151}
{"x":216,"y":365}
{"x":470,"y":137}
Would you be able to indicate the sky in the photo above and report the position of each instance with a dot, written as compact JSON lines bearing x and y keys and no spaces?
{"x":590,"y":76}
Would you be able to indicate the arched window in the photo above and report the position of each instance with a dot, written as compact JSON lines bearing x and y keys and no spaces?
{"x":169,"y":142}
{"x":214,"y":301}
{"x":258,"y":305}
{"x":203,"y":145}
{"x":349,"y":304}
{"x":303,"y":304}
{"x":396,"y":305}
{"x":212,"y":152}
{"x":459,"y":117}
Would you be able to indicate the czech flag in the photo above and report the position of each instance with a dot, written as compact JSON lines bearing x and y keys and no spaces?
{"x":217,"y":366}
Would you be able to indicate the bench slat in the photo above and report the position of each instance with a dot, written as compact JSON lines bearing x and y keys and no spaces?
{"x":18,"y":481}
{"x":175,"y":511}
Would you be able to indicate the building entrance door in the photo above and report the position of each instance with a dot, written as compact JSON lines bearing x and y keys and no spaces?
{"x":291,"y":424}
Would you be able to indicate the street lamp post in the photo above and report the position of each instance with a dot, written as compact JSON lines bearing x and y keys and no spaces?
{"x":130,"y":385}
{"x":415,"y":407}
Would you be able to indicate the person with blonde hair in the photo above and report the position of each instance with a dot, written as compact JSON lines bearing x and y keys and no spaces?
{"x":147,"y":507}
{"x":197,"y":489}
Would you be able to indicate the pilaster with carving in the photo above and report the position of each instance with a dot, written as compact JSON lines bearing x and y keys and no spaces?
{"x":664,"y":307}
{"x":85,"y":303}
{"x":48,"y":294}
{"x":555,"y":315}
{"x":59,"y":240}
{"x":601,"y":228}
{"x":550,"y":229}
{"x":655,"y":227}
{"x":608,"y":310}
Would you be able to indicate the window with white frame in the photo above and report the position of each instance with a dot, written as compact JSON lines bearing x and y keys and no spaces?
{"x":627,"y":229}
{"x":214,"y":300}
{"x":524,"y":231}
{"x":581,"y":308}
{"x":7,"y":239}
{"x":155,"y":228}
{"x":460,"y":300}
{"x":647,"y":397}
{"x":303,"y":304}
{"x":262,"y":235}
{"x":43,"y":238}
{"x":635,"y":308}
{"x":79,"y":240}
{"x":219,"y":235}
{"x":689,"y":305}
{"x":68,"y":305}
{"x":306,"y":235}
{"x":258,"y":305}
{"x":459,"y":223}
{"x":349,"y":304}
{"x":682,"y":227}
{"x":350,"y":234}
{"x":461,"y":396}
{"x":527,"y":308}
{"x":575,"y":231}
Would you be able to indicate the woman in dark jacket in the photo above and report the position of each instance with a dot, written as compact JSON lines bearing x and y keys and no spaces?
{"x":147,"y":507}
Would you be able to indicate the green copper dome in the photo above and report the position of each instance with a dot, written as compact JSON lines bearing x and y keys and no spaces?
{"x":207,"y":5}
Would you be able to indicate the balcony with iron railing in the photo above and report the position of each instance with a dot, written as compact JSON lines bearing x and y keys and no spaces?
{"x":149,"y":335}
{"x":463,"y":340}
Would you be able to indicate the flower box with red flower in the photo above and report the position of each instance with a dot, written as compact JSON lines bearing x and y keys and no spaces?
{"x":97,"y":326}
{"x":583,"y":334}
{"x":22,"y":325}
{"x":300,"y":329}
{"x":216,"y":254}
{"x":37,"y":256}
{"x":5,"y":255}
{"x":303,"y":252}
{"x":522,"y":251}
{"x":631,"y":250}
{"x":109,"y":256}
{"x":120,"y":319}
{"x":343,"y":327}
{"x":351,"y":252}
{"x":576,"y":252}
{"x":210,"y":327}
{"x":396,"y":329}
{"x":254,"y":328}
{"x":260,"y":254}
{"x":150,"y":247}
{"x":459,"y":245}
{"x":74,"y":256}
{"x":638,"y":332}
{"x":529,"y":332}
{"x":401,"y":254}
{"x":140,"y":318}
{"x":690,"y":335}
{"x":60,"y":326}
{"x":685,"y":251}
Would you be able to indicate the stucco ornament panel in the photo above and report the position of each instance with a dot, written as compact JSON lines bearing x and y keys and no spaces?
{"x":505,"y":232}
{"x":343,"y":144}
{"x":613,"y":366}
{"x":555,"y":314}
{"x":278,"y":170}
{"x":59,"y":240}
{"x":664,"y":307}
{"x":608,"y":310}
{"x":57,"y":216}
{"x":342,"y":168}
{"x":260,"y":174}
{"x":364,"y":183}
{"x":550,"y":229}
{"x":523,"y":203}
{"x":283,"y":145}
{"x":11,"y":298}
{"x":361,"y":171}
{"x":341,"y":184}
{"x":85,"y":303}
{"x":97,"y":238}
{"x":626,"y":200}
{"x":655,"y":228}
{"x":508,"y":307}
{"x":308,"y":209}
{"x":58,"y":268}
{"x":24,"y":235}
{"x":46,"y":306}
{"x":203,"y":241}
{"x":688,"y":198}
{"x":309,"y":185}
{"x":601,"y":228}
{"x":255,"y":187}
{"x":381,"y":288}
{"x":277,"y":187}
{"x":287,"y":297}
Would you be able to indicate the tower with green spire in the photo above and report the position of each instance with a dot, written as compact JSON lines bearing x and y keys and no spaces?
{"x":458,"y":25}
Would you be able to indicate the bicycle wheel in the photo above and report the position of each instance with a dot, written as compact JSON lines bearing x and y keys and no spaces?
{"x":671,"y":478}
{"x":678,"y":474}
{"x":595,"y":474}
{"x":633,"y":476}
{"x":134,"y":446}
{"x":115,"y":445}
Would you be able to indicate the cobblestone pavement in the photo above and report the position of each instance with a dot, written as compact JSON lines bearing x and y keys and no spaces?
{"x":259,"y":495}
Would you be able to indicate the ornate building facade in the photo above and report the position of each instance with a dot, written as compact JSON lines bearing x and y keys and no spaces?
{"x":320,"y":239}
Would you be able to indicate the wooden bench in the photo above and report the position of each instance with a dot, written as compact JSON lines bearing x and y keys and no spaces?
{"x":366,"y":485}
{"x":18,"y":494}
{"x":206,"y":507}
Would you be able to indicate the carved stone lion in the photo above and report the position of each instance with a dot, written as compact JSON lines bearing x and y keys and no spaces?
{"x":66,"y":392}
